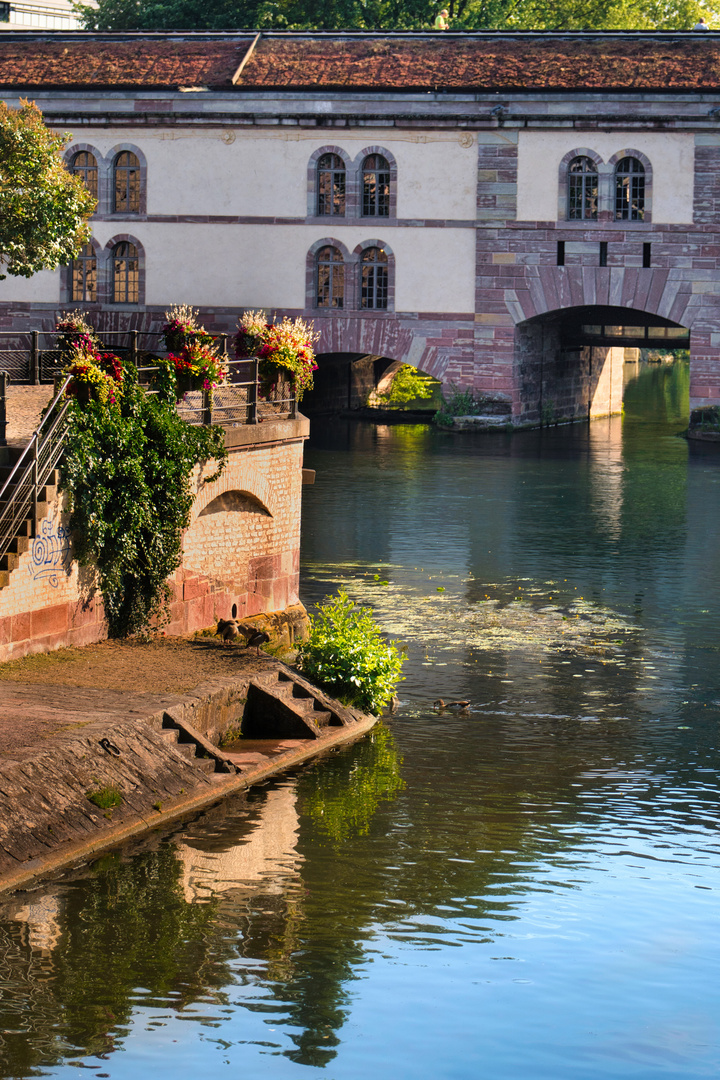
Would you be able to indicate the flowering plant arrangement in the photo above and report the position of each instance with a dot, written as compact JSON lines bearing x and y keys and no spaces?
{"x":195,"y":367}
{"x":282,"y":347}
{"x":182,"y":328}
{"x":95,"y":374}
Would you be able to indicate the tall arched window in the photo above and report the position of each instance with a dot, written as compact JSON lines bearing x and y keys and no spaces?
{"x":330,"y":278}
{"x":126,"y":184}
{"x":376,"y":186}
{"x":331,"y":185}
{"x":582,"y":189}
{"x":85,"y":165}
{"x":629,"y":190}
{"x":83,"y":271}
{"x":126,"y":273}
{"x":374,"y":279}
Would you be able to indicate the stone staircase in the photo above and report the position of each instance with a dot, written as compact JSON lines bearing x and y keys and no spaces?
{"x":188,"y":741}
{"x":282,"y":704}
{"x":19,"y":542}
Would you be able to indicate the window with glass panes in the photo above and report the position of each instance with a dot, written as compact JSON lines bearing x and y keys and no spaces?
{"x":629,"y":190}
{"x":331,"y":185}
{"x":582,"y":189}
{"x":126,"y":177}
{"x":84,"y":165}
{"x":83,"y":270}
{"x":374,"y":279}
{"x":330,"y":271}
{"x":376,"y":186}
{"x":126,"y":273}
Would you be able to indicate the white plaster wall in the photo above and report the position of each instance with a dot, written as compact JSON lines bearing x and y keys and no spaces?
{"x":263,"y":266}
{"x":264,"y":173}
{"x":671,"y":154}
{"x":40,"y":289}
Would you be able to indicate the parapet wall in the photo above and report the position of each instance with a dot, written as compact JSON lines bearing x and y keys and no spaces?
{"x":240,"y":553}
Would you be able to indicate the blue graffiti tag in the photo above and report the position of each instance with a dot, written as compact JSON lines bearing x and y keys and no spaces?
{"x":50,"y":553}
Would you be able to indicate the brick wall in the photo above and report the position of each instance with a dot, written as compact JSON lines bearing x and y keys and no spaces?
{"x":240,"y":551}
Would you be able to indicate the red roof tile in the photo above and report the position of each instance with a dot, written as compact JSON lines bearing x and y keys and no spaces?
{"x":141,"y":62}
{"x":486,"y":62}
{"x":392,"y":62}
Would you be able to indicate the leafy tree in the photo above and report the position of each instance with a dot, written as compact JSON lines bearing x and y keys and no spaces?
{"x":43,"y":207}
{"x":396,"y":14}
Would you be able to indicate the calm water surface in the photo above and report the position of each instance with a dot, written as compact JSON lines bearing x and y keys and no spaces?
{"x":527,"y":889}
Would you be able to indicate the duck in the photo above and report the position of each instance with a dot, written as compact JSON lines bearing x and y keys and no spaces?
{"x":440,"y":704}
{"x":228,"y":629}
{"x":256,"y":638}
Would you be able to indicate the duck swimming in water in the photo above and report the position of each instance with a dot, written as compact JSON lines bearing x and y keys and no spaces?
{"x":440,"y":704}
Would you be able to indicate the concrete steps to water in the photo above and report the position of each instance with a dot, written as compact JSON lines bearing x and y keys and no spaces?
{"x":195,"y":746}
{"x":283,"y":705}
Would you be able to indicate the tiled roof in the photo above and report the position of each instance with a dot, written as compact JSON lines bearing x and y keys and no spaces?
{"x":134,"y":62}
{"x":473,"y":62}
{"x":482,"y":62}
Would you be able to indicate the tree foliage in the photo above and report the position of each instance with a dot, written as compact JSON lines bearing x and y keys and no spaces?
{"x":397,"y":14}
{"x":43,"y":207}
{"x":127,"y":468}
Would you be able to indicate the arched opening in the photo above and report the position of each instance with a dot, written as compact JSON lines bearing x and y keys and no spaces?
{"x":353,"y":381}
{"x":576,"y":362}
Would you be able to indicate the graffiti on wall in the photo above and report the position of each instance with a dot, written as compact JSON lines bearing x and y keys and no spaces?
{"x":50,"y":553}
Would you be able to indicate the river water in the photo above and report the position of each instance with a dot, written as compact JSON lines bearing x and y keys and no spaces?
{"x":524,"y":889}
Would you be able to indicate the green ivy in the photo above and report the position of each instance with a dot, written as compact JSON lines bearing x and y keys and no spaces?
{"x":346,"y":654}
{"x":127,"y":470}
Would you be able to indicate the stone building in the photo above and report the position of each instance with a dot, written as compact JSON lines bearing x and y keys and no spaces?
{"x":507,"y":211}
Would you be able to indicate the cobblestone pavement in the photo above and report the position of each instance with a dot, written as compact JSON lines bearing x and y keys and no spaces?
{"x":24,"y":409}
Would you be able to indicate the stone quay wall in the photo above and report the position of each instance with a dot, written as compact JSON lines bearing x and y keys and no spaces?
{"x":240,"y":553}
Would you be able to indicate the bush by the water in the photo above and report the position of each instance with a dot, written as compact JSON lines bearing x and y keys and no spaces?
{"x":458,"y":403}
{"x":347,"y":655}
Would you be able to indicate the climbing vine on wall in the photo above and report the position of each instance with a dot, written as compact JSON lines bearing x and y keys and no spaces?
{"x":127,"y":469}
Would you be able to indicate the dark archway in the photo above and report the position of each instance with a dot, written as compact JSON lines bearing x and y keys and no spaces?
{"x":572,"y":360}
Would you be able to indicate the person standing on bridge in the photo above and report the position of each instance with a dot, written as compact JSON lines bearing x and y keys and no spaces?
{"x":441,"y":22}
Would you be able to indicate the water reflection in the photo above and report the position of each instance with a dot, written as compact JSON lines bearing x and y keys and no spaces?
{"x":522,"y":891}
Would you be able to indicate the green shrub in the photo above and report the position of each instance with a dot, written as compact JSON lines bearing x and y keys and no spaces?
{"x":127,"y":468}
{"x":346,"y":654}
{"x":459,"y":403}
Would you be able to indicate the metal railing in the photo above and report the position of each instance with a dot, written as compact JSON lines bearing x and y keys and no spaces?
{"x":232,"y":404}
{"x":19,"y":494}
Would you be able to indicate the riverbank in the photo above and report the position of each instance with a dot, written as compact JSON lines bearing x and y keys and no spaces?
{"x":105,"y":743}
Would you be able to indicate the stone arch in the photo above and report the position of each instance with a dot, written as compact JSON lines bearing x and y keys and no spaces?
{"x":655,"y":291}
{"x":240,"y":477}
{"x":235,"y":501}
{"x":350,"y":181}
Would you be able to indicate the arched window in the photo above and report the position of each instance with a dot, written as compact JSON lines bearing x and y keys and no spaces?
{"x":331,"y":185}
{"x":126,"y":184}
{"x":374,"y":279}
{"x":629,"y":190}
{"x":582,"y":189}
{"x":376,"y":186}
{"x":85,"y":165}
{"x":126,"y":273}
{"x":330,"y":278}
{"x":83,"y":271}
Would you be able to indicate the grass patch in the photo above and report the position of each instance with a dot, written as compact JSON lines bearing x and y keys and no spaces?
{"x":106,"y":798}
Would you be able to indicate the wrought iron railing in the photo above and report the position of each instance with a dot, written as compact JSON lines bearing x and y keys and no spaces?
{"x":20,"y":493}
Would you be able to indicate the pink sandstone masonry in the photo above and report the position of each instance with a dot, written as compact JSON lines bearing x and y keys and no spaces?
{"x":241,"y":550}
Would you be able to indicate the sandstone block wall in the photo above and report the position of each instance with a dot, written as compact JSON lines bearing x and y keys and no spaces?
{"x":240,"y":555}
